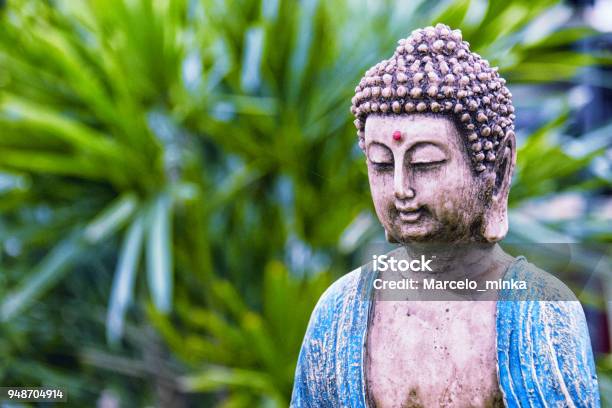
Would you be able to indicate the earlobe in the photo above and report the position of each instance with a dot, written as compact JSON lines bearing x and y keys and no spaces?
{"x":495,"y":221}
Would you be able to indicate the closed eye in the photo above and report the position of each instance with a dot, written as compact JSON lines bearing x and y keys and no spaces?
{"x":382,"y":166}
{"x":427,"y":163}
{"x":427,"y":155}
{"x":380,"y":156}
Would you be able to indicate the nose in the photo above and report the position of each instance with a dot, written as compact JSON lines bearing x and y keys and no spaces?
{"x":401,"y":187}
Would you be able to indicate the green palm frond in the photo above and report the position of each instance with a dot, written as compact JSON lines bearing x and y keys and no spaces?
{"x":180,"y":153}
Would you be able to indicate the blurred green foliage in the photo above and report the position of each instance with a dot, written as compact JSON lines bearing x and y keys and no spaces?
{"x":180,"y":180}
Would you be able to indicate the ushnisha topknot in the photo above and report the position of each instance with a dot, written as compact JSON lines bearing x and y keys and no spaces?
{"x":434,"y":71}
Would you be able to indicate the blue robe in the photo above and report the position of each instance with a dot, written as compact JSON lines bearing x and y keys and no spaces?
{"x":544,"y":355}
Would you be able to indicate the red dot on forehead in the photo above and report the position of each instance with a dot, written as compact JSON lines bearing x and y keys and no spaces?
{"x":397,"y":135}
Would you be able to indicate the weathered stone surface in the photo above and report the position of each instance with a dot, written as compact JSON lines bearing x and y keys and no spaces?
{"x":440,"y":150}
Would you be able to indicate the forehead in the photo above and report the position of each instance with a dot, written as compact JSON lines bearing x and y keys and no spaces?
{"x":415,"y":128}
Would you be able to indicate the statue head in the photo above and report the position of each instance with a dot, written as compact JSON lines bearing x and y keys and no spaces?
{"x":436,"y":124}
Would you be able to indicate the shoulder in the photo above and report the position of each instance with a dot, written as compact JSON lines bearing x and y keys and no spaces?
{"x":334,"y":301}
{"x":547,"y":308}
{"x":330,"y":317}
{"x":323,"y":349}
{"x":540,"y":285}
{"x":345,"y":285}
{"x":548,"y":322}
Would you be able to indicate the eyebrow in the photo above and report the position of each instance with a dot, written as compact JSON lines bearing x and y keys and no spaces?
{"x":382,"y":145}
{"x":375,"y":142}
{"x":416,"y":145}
{"x":423,"y":143}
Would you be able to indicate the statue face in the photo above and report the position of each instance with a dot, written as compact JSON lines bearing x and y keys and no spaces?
{"x":421,"y":181}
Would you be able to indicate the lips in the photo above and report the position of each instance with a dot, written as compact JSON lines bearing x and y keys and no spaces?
{"x":409,"y":214}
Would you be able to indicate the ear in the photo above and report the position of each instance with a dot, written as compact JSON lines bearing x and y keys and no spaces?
{"x":495,"y":222}
{"x":390,"y":238}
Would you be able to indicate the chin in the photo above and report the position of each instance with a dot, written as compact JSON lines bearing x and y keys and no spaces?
{"x":414,"y":233}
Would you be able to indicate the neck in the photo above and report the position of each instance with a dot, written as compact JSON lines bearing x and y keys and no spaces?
{"x":479,"y":262}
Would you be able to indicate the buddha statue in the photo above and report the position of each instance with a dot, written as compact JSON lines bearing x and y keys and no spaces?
{"x":436,"y":124}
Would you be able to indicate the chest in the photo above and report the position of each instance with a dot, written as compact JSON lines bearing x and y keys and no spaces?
{"x":426,"y":354}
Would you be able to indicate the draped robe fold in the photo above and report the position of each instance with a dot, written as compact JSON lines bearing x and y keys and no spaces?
{"x":544,"y":356}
